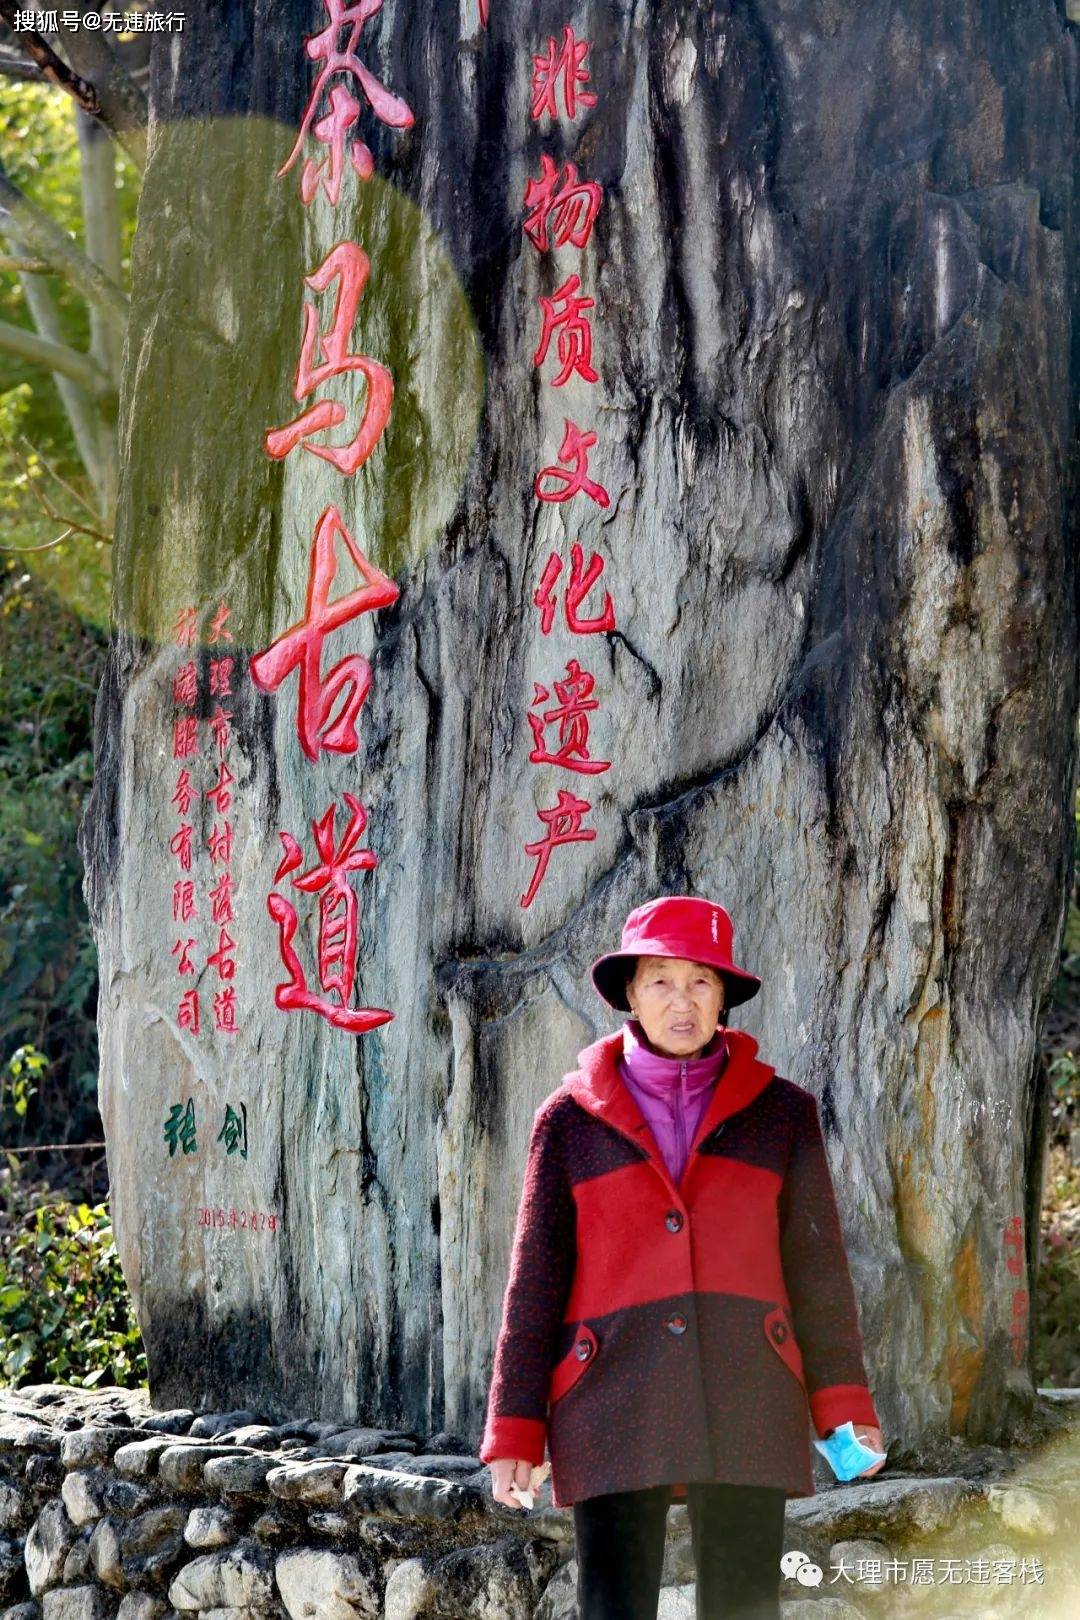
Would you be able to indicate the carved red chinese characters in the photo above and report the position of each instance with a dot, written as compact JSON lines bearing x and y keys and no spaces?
{"x":571,"y":714}
{"x":571,"y":207}
{"x":338,"y":921}
{"x":574,"y":453}
{"x":563,"y":314}
{"x":336,"y":50}
{"x":566,"y":64}
{"x":328,"y":702}
{"x":563,"y":822}
{"x":581,"y":582}
{"x":557,"y":214}
{"x":300,"y":647}
{"x":188,"y":795}
{"x":348,"y":265}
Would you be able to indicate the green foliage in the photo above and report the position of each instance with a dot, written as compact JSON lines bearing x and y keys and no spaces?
{"x":1064,"y":1072}
{"x":40,"y":147}
{"x":49,"y":667}
{"x":16,"y":1091}
{"x":50,"y":660}
{"x":1057,"y":1289}
{"x":65,"y":1310}
{"x":1070,"y":947}
{"x":40,"y":150}
{"x":1057,"y":1298}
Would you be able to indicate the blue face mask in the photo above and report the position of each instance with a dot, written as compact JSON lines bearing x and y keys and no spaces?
{"x":847,"y":1456}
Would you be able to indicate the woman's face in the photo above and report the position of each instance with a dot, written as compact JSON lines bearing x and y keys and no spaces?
{"x":677,"y":1002}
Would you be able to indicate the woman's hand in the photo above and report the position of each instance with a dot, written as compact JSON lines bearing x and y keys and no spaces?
{"x":507,"y":1471}
{"x":872,"y":1438}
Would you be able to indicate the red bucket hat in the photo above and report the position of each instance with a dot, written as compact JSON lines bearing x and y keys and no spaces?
{"x":674,"y":925}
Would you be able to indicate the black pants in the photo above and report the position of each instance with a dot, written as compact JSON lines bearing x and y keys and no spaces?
{"x":737,"y":1533}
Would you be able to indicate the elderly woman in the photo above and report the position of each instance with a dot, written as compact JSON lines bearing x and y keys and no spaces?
{"x":679,"y":1302}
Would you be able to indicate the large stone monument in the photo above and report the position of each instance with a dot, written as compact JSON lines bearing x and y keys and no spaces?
{"x":572,"y":454}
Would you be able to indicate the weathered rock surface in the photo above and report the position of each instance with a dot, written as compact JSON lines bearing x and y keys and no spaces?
{"x":324,"y":1585}
{"x":826,"y":1608}
{"x":77,"y":1603}
{"x":836,"y":416}
{"x":210,"y":1527}
{"x":47,"y":1545}
{"x":237,"y":1577}
{"x":87,"y":1448}
{"x":410,"y":1591}
{"x":676,"y":1603}
{"x":12,"y":1570}
{"x":141,"y":1606}
{"x":83,"y":1492}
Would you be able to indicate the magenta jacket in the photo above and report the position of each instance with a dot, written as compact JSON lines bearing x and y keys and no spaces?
{"x":671,"y":1092}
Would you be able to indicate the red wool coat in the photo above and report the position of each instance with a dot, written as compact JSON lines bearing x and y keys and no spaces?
{"x":655,"y":1333}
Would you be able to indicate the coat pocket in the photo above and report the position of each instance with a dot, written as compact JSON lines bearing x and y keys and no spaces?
{"x":781,"y":1335}
{"x":577,"y":1361}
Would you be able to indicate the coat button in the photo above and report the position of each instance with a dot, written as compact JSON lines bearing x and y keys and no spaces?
{"x":779,"y":1332}
{"x":676,"y":1323}
{"x":583,"y":1349}
{"x":673,"y":1220}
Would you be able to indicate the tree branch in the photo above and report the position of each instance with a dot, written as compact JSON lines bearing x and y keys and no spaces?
{"x":114,"y":100}
{"x":57,"y":357}
{"x":51,"y":470}
{"x":13,"y":66}
{"x":102,"y":243}
{"x":51,"y":66}
{"x":46,"y":545}
{"x":124,"y":111}
{"x":44,"y":237}
{"x":73,"y":524}
{"x":82,"y":411}
{"x":31,"y":266}
{"x":55,"y":1147}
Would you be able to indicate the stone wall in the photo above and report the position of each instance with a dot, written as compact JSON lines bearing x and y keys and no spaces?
{"x":110,"y":1510}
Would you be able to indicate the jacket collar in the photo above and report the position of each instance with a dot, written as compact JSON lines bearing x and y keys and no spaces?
{"x":597,"y":1085}
{"x":659,"y":1073}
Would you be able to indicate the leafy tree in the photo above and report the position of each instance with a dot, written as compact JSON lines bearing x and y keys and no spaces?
{"x":49,"y":662}
{"x":72,"y":138}
{"x":72,"y":115}
{"x":65,"y":1311}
